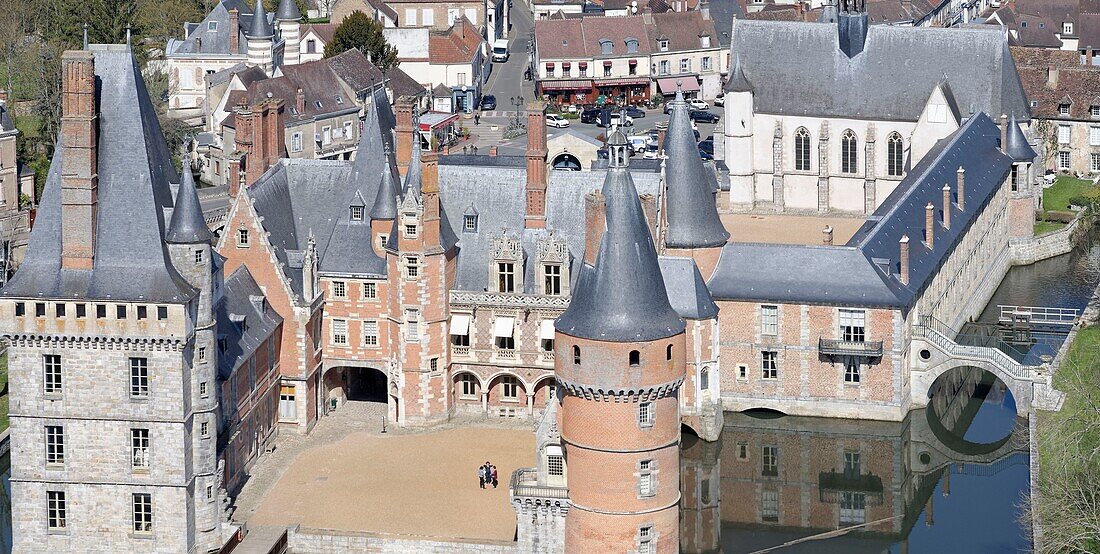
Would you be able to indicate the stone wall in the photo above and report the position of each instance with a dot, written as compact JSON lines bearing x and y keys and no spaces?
{"x":1028,"y":250}
{"x":325,"y":541}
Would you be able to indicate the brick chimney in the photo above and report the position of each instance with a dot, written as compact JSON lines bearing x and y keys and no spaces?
{"x":594,"y":225}
{"x":1004,"y":131}
{"x":403,"y":109}
{"x":233,"y":176}
{"x":429,"y":188}
{"x":961,"y":195}
{"x":535,"y":217}
{"x":1088,"y":55}
{"x":1052,"y":77}
{"x":947,"y":206}
{"x":79,"y":170}
{"x":662,"y":131}
{"x":827,"y":235}
{"x":930,"y":225}
{"x":903,"y":254}
{"x":300,"y":101}
{"x":260,"y":136}
{"x":234,"y":33}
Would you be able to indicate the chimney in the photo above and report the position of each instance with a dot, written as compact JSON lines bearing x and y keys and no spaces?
{"x":930,"y":225}
{"x":234,"y":33}
{"x":404,"y":132}
{"x":1004,"y":131}
{"x":1088,"y":56}
{"x":961,"y":195}
{"x":947,"y":206}
{"x":649,"y":208}
{"x":662,"y":131}
{"x":233,"y":176}
{"x":535,"y":216}
{"x":594,"y":225}
{"x":79,"y":170}
{"x":1052,"y":77}
{"x":429,"y":188}
{"x":903,"y":265}
{"x":827,"y":235}
{"x":300,"y":101}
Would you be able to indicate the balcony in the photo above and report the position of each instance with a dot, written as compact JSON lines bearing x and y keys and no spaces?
{"x":837,"y":347}
{"x":546,"y":356}
{"x":460,"y":351}
{"x":504,"y":354}
{"x":525,"y":484}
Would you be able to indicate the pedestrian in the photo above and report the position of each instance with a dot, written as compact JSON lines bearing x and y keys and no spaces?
{"x":465,"y":148}
{"x":494,"y":476}
{"x":481,"y":477}
{"x":477,"y":117}
{"x":475,"y":153}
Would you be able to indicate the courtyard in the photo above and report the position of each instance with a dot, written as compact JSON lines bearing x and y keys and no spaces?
{"x":403,"y":483}
{"x":789,"y":229}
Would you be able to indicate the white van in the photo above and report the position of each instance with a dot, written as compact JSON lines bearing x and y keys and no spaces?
{"x":500,"y":50}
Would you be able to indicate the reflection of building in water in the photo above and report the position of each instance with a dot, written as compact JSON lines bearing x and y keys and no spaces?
{"x":700,"y":491}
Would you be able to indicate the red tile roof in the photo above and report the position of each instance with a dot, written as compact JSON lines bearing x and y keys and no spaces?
{"x":1054,"y":77}
{"x":459,"y":44}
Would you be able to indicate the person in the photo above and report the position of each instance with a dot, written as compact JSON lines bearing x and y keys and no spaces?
{"x":481,"y":476}
{"x":477,"y":117}
{"x":494,"y":475}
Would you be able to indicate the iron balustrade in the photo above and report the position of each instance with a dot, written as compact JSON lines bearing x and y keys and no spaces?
{"x":839,"y":347}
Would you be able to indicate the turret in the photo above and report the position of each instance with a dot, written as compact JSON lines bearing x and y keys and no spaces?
{"x":619,"y":361}
{"x":1022,"y":154}
{"x":691,"y":212}
{"x":288,"y":18}
{"x":384,"y":211}
{"x":738,"y":133}
{"x":260,"y":39}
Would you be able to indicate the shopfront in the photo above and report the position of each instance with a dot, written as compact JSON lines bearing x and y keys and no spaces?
{"x":568,"y":91}
{"x":633,"y":90}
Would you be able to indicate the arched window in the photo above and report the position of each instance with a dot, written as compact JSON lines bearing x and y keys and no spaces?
{"x":848,"y":157}
{"x":668,"y":352}
{"x":635,"y":358}
{"x":802,"y":149}
{"x":576,"y":355}
{"x":895,"y":154}
{"x":704,"y":378}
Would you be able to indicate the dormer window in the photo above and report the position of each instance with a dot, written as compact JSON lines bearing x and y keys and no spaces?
{"x":357,"y":213}
{"x":506,"y":277}
{"x":704,"y":41}
{"x":631,"y":45}
{"x":318,"y":102}
{"x":551,"y":274}
{"x":1063,"y":109}
{"x":469,"y":223}
{"x":212,"y":26}
{"x":1067,"y":28}
{"x":242,"y":238}
{"x":1094,"y":111}
{"x":410,"y":230}
{"x":662,"y":44}
{"x":605,"y":46}
{"x":339,"y":100}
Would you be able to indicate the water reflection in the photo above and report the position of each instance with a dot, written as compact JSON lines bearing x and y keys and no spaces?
{"x":947,"y":478}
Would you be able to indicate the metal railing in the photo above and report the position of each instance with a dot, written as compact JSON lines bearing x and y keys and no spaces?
{"x":838,"y":347}
{"x":942,"y":336}
{"x":525,"y":483}
{"x":1039,"y":314}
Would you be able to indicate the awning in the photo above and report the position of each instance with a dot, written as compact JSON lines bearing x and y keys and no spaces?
{"x":565,"y":65}
{"x":460,"y":324}
{"x":582,"y":65}
{"x":566,"y":85}
{"x":621,"y":82}
{"x":688,"y":83}
{"x":546,"y":329}
{"x":633,"y":62}
{"x":502,"y":326}
{"x":607,"y":63}
{"x":550,"y":65}
{"x":435,"y":120}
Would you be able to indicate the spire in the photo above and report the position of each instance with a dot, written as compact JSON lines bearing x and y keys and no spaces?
{"x":414,"y":176}
{"x":188,"y":224}
{"x":385,"y":202}
{"x":288,"y":11}
{"x":1016,"y":145}
{"x":737,"y":81}
{"x":621,"y":297}
{"x":691,"y":210}
{"x":259,"y":27}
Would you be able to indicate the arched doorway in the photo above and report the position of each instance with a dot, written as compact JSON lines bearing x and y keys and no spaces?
{"x":365,"y":384}
{"x":566,"y":162}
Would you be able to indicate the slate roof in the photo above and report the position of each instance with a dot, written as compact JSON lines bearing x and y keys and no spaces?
{"x":201,"y":40}
{"x":259,"y":24}
{"x":320,"y":80}
{"x":131,"y":261}
{"x":187,"y":226}
{"x":1016,"y":145}
{"x":692,"y":212}
{"x":722,"y":13}
{"x":864,"y":271}
{"x":288,"y":11}
{"x":6,"y":123}
{"x":244,"y":320}
{"x":687,"y":292}
{"x":799,"y":69}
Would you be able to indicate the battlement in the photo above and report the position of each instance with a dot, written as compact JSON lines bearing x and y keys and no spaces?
{"x":96,"y":319}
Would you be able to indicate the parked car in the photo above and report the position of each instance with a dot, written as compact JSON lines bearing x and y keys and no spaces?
{"x":720,"y":100}
{"x":615,"y":120}
{"x":488,"y":102}
{"x":707,"y":145}
{"x":590,"y":116}
{"x":651,"y":152}
{"x":703,"y":117}
{"x":638,"y":142}
{"x":634,"y":111}
{"x":697,"y":104}
{"x":555,"y":120}
{"x":653,"y":135}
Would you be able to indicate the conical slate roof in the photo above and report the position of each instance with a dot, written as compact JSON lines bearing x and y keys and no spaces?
{"x":288,"y":11}
{"x":1016,"y":145}
{"x":187,"y":225}
{"x":385,"y":203}
{"x":621,"y":298}
{"x":692,"y":214}
{"x":259,"y":28}
{"x":737,"y":81}
{"x":414,"y":177}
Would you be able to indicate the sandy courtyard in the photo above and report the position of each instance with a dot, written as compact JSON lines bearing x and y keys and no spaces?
{"x":788,"y":229}
{"x":423,"y":484}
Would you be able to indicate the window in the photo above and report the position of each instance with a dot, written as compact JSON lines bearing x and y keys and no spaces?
{"x":551,"y":279}
{"x":1063,"y":160}
{"x":55,"y":445}
{"x":852,"y":325}
{"x":1067,"y":28}
{"x":769,"y":364}
{"x":1094,"y":162}
{"x":40,"y":309}
{"x":427,"y":17}
{"x":769,"y":461}
{"x":802,"y":149}
{"x":848,"y":152}
{"x":645,"y":540}
{"x":347,"y":126}
{"x":704,"y":378}
{"x":382,"y":239}
{"x":52,"y":374}
{"x":326,"y":131}
{"x":769,"y":506}
{"x":1094,"y":111}
{"x":1063,"y":109}
{"x":509,"y":388}
{"x":339,"y":289}
{"x":143,"y":513}
{"x":1063,"y":134}
{"x":340,"y":332}
{"x":467,"y":385}
{"x":853,"y":507}
{"x":635,"y":358}
{"x":288,"y":407}
{"x":139,"y":449}
{"x":469,"y":223}
{"x":370,"y":333}
{"x":606,"y":70}
{"x":550,"y":70}
{"x":201,"y":354}
{"x":81,"y":311}
{"x":705,"y":63}
{"x":647,"y":485}
{"x":631,"y":46}
{"x":202,"y":390}
{"x":120,"y":311}
{"x":59,"y":309}
{"x":139,"y":377}
{"x":555,"y":465}
{"x":852,"y":464}
{"x":370,"y":291}
{"x":296,"y":141}
{"x":742,"y":450}
{"x":662,"y":67}
{"x":357,"y":213}
{"x":685,"y":65}
{"x":576,"y":355}
{"x":895,"y":153}
{"x":769,"y":320}
{"x":204,"y":430}
{"x":1094,"y":136}
{"x":605,"y":46}
{"x":668,"y":353}
{"x":209,"y":492}
{"x":851,"y":370}
{"x":20,"y":309}
{"x":704,"y":41}
{"x":242,"y":238}
{"x":506,"y":277}
{"x":55,"y":510}
{"x":101,"y":311}
{"x":412,"y":324}
{"x":212,"y":26}
{"x":742,"y":371}
{"x":162,"y":313}
{"x":410,"y":230}
{"x":311,"y":46}
{"x":412,"y":268}
{"x":142,"y":312}
{"x":662,"y":45}
{"x":645,"y":414}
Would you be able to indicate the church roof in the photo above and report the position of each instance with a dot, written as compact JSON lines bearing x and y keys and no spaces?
{"x":692,"y":212}
{"x":187,"y":224}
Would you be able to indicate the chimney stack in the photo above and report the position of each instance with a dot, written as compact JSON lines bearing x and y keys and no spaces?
{"x":961,"y":195}
{"x":947,"y":206}
{"x":300,"y":101}
{"x":535,"y":216}
{"x":79,"y":169}
{"x":1052,"y":77}
{"x":404,"y":130}
{"x":594,"y":225}
{"x":662,"y":131}
{"x":1088,"y":55}
{"x":930,"y":225}
{"x":234,"y":32}
{"x":903,"y":266}
{"x":233,"y":176}
{"x":1004,"y":131}
{"x":827,"y":235}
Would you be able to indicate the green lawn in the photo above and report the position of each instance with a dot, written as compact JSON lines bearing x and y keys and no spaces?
{"x":1065,"y":187}
{"x":1047,"y":226}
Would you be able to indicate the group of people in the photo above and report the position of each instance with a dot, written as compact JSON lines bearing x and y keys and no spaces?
{"x":487,"y":475}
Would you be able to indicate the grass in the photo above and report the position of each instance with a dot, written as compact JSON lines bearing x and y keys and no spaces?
{"x":4,"y":388}
{"x":1047,"y":226}
{"x":1065,"y":187}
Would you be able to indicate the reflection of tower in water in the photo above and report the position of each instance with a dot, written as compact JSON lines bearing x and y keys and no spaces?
{"x":700,"y":492}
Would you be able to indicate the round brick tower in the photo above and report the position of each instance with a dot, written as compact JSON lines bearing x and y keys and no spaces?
{"x":619,"y":360}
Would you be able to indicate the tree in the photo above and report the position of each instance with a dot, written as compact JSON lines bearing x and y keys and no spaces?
{"x":358,"y":30}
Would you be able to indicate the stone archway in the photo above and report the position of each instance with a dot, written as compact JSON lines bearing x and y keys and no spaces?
{"x":566,"y":162}
{"x":929,"y":362}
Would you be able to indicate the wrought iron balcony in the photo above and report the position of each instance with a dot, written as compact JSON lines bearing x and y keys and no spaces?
{"x":837,"y":347}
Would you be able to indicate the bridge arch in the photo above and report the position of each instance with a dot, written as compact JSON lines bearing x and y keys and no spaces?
{"x":929,"y":361}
